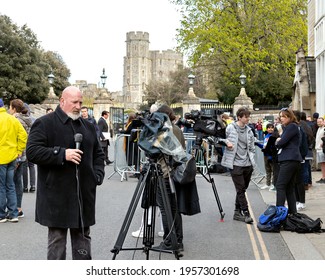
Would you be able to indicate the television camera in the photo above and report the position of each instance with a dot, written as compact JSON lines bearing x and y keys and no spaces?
{"x":207,"y":127}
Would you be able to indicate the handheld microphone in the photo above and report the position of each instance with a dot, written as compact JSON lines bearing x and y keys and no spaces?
{"x":78,"y":140}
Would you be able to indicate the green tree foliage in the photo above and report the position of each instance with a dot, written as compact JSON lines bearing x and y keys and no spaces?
{"x":175,"y":88}
{"x":55,"y":64}
{"x":24,"y":66}
{"x":258,"y":36}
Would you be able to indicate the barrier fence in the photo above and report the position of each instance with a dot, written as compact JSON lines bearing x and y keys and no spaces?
{"x":128,"y":157}
{"x":259,"y":170}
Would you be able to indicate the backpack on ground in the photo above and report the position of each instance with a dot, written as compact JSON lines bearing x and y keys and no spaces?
{"x":302,"y":223}
{"x":272,"y":219}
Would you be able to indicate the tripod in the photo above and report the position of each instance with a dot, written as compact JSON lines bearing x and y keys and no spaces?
{"x":198,"y":148}
{"x":151,"y":178}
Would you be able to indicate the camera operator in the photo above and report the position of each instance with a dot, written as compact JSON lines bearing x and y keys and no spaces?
{"x":185,"y":200}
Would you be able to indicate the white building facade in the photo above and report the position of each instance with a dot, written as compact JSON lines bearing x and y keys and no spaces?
{"x":319,"y":33}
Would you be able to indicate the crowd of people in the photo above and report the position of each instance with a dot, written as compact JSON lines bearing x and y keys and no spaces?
{"x":288,"y":171}
{"x":70,"y":150}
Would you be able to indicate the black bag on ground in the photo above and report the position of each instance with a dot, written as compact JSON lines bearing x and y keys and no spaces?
{"x":302,"y":223}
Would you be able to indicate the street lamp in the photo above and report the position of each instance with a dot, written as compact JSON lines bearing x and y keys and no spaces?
{"x":191,"y":79}
{"x":103,"y":78}
{"x":50,"y":78}
{"x":242,"y":78}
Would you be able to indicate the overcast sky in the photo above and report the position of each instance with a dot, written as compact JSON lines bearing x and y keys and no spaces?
{"x":90,"y":35}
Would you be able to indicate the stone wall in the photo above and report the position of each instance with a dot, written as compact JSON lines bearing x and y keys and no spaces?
{"x":142,"y":65}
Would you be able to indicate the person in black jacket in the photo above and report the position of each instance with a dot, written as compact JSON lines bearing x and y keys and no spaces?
{"x":289,"y":159}
{"x":67,"y":175}
{"x":103,"y":127}
{"x":185,"y":201}
{"x":85,"y":115}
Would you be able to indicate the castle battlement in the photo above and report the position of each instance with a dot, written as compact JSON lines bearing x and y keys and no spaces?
{"x":142,"y":65}
{"x":137,"y":35}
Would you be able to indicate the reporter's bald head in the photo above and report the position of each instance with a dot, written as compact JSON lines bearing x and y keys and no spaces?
{"x":71,"y":101}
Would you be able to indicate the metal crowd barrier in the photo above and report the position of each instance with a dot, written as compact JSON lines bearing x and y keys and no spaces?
{"x":128,"y":158}
{"x":207,"y":152}
{"x":259,"y":170}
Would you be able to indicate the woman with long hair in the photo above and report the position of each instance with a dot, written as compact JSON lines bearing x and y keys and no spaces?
{"x":289,"y":159}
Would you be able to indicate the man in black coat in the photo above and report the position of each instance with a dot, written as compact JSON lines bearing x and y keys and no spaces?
{"x":85,"y":115}
{"x":67,"y":175}
{"x":103,"y":127}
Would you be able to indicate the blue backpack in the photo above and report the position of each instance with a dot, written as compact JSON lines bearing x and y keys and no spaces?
{"x":272,"y":219}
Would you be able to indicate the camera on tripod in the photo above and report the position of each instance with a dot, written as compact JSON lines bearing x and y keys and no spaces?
{"x":210,"y":127}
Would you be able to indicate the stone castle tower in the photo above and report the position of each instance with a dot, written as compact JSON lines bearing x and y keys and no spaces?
{"x":142,"y":65}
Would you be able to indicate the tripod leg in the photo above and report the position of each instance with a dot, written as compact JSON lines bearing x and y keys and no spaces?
{"x":129,"y":215}
{"x":149,"y":229}
{"x":222,"y":214}
{"x":211,"y":180}
{"x":150,"y":213}
{"x":170,"y":221}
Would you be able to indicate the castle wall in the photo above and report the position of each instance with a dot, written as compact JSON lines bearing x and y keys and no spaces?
{"x":142,"y":65}
{"x":163,"y":62}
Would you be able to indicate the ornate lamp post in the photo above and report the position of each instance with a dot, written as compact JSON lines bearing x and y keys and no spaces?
{"x":103,"y":78}
{"x":191,"y":79}
{"x":51,"y":78}
{"x":242,"y":99}
{"x":242,"y":79}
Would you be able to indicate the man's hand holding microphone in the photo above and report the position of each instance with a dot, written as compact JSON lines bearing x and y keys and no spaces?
{"x":74,"y":155}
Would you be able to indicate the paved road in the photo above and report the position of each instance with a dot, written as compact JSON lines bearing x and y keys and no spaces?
{"x":205,"y":237}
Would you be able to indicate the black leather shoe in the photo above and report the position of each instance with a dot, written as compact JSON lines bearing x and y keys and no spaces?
{"x":32,"y":189}
{"x":25,"y":190}
{"x":168,"y":247}
{"x":109,"y":162}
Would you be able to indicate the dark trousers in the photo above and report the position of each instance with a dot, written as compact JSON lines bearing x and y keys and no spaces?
{"x":285,"y":185}
{"x":177,"y":218}
{"x":241,"y":176}
{"x":300,"y":186}
{"x":80,"y":243}
{"x":307,"y":172}
{"x":105,"y":145}
{"x":276,"y":168}
{"x":268,"y":164}
{"x":31,"y":167}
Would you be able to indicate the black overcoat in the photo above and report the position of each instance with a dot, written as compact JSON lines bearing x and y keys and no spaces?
{"x":103,"y":127}
{"x":58,"y":201}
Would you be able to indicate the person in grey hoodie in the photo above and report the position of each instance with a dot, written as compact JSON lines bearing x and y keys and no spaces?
{"x":239,"y":158}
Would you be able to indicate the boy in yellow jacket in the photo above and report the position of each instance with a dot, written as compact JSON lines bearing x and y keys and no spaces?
{"x":13,"y":138}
